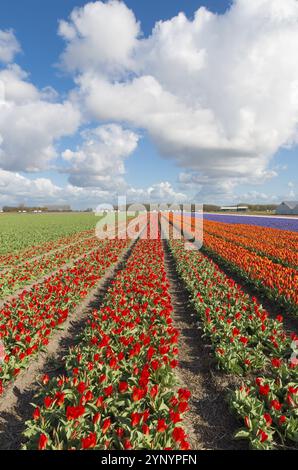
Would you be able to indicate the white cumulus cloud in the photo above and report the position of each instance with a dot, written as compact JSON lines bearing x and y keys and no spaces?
{"x":30,"y":122}
{"x":16,"y":188}
{"x":9,"y":46}
{"x":217,"y":93}
{"x":99,"y":160}
{"x":99,"y":37}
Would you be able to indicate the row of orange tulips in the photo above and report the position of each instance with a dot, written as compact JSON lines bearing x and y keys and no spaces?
{"x":277,"y":282}
{"x":264,"y":244}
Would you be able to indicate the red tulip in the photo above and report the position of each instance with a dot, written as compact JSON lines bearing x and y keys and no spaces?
{"x":264,"y":389}
{"x":161,"y":425}
{"x":108,"y":391}
{"x":123,"y":386}
{"x":127,"y":444}
{"x":36,"y":413}
{"x":268,"y":419}
{"x":89,"y":442}
{"x":106,"y":425}
{"x":42,"y":443}
{"x":263,"y":436}
{"x":135,"y":419}
{"x":178,"y":434}
{"x":74,"y":412}
{"x":275,"y":404}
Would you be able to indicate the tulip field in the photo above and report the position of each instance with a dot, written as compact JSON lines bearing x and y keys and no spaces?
{"x":264,"y":258}
{"x":120,"y":383}
{"x":119,"y":380}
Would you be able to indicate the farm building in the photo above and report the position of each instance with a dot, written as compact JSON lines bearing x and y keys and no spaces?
{"x":288,"y":208}
{"x":234,"y":208}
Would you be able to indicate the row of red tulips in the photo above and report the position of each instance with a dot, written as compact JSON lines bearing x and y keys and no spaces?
{"x":277,"y":282}
{"x":245,"y":339}
{"x":268,"y":407}
{"x":12,"y":259}
{"x":117,"y":392}
{"x":27,"y":321}
{"x":20,"y":276}
{"x":242,"y":333}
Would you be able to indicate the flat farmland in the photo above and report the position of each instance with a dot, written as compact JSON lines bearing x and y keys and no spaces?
{"x":19,"y":231}
{"x":142,"y":343}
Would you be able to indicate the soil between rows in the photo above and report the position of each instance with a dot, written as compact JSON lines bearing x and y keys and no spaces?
{"x":290,"y":321}
{"x":30,"y":286}
{"x":15,"y":404}
{"x":4,"y":269}
{"x":210,"y":423}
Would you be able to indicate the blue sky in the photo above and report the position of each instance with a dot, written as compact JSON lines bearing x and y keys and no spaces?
{"x":35,"y":23}
{"x":157,"y":158}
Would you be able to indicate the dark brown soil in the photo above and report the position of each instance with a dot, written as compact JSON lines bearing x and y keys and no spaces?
{"x":210,"y":423}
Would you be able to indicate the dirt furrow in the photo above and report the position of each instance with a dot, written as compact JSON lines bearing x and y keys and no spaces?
{"x":38,"y":257}
{"x":15,"y":406}
{"x":42,"y":279}
{"x":210,"y":423}
{"x":290,"y":321}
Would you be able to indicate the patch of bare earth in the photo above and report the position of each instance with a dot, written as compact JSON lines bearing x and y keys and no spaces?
{"x":210,"y":423}
{"x":15,"y":404}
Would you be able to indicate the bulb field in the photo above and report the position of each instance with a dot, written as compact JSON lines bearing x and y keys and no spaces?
{"x":91,"y":334}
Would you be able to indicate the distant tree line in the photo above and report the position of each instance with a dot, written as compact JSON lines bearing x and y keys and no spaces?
{"x":23,"y":208}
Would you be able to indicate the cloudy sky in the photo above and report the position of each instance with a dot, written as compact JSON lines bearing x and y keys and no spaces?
{"x":172,"y":101}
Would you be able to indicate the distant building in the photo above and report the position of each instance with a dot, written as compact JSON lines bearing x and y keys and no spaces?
{"x":288,"y":208}
{"x":234,"y":208}
{"x":58,"y":208}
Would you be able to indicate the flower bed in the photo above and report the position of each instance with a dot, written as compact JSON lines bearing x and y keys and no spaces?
{"x":244,"y":336}
{"x":246,"y":340}
{"x":27,"y":321}
{"x":20,"y":276}
{"x":289,"y":224}
{"x":19,"y":232}
{"x":118,"y":390}
{"x":277,"y":282}
{"x":269,"y":407}
{"x":264,"y":242}
{"x":12,"y":259}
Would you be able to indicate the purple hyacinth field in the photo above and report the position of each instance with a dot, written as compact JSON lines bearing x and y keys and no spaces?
{"x":281,"y":223}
